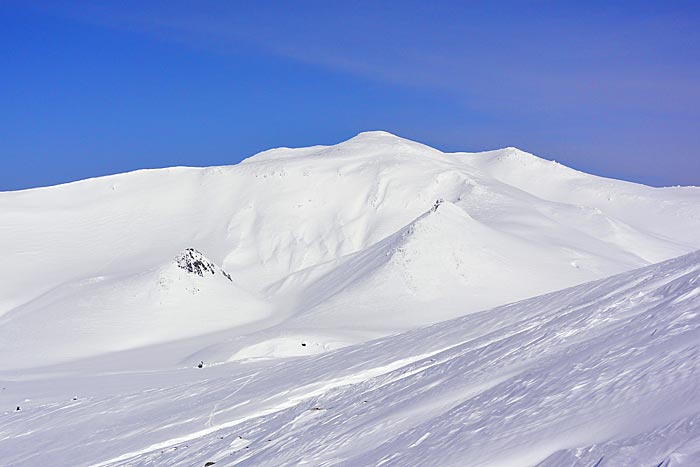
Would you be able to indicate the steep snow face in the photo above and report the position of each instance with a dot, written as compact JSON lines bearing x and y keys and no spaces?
{"x":604,"y":374}
{"x":332,"y":245}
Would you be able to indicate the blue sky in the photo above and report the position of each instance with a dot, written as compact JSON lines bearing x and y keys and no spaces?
{"x":94,"y":88}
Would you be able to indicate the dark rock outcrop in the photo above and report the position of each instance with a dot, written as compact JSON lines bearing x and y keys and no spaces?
{"x":195,"y":262}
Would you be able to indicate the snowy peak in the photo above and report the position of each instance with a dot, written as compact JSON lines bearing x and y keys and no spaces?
{"x":376,"y":136}
{"x":376,"y":143}
{"x":379,"y":138}
{"x":368,"y":144}
{"x":512,"y":159}
{"x":513,"y":153}
{"x":194,"y":262}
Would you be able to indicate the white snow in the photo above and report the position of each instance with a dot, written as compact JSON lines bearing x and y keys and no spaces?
{"x":307,"y":257}
{"x":608,"y":370}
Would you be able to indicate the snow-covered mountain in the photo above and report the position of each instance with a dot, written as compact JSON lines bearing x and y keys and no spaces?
{"x":328,"y":245}
{"x":355,"y":304}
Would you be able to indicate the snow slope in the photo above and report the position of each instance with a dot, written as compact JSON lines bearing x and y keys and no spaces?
{"x":327,"y":246}
{"x":187,"y":296}
{"x":603,"y":374}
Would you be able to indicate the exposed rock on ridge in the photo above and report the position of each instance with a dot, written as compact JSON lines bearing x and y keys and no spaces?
{"x":195,"y":262}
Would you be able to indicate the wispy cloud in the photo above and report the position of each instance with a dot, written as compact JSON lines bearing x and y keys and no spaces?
{"x":489,"y":57}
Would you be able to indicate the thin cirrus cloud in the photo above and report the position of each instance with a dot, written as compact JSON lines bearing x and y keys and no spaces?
{"x":449,"y":48}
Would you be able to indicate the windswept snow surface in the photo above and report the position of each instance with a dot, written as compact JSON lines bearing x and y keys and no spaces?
{"x":325,"y":247}
{"x":603,"y":374}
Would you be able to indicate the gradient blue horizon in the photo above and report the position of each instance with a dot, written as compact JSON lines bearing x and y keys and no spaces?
{"x":95,"y":88}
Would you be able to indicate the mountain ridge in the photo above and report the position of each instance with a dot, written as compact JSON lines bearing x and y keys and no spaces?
{"x":366,"y":137}
{"x":278,"y":225}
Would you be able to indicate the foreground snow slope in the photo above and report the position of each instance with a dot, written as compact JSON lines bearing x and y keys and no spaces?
{"x":325,"y":247}
{"x":605,"y":373}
